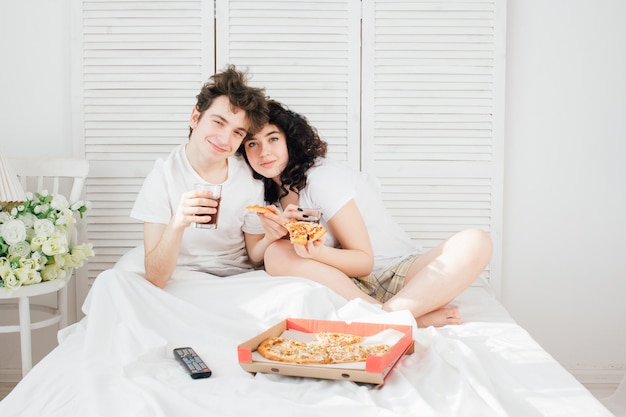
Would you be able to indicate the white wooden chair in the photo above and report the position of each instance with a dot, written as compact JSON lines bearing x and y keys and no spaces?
{"x":56,"y":175}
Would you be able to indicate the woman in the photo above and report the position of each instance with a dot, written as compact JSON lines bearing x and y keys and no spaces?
{"x":364,"y":254}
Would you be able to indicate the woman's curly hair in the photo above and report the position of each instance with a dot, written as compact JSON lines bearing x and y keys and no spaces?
{"x":304,"y":146}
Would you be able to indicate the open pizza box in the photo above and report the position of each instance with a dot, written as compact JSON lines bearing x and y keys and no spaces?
{"x":374,"y":371}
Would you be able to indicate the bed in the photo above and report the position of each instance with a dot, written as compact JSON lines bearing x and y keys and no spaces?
{"x":118,"y":360}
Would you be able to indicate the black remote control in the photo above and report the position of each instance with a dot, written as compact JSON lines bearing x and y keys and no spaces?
{"x":192,"y":363}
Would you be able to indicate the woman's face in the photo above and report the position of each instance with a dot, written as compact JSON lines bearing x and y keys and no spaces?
{"x":267,"y":152}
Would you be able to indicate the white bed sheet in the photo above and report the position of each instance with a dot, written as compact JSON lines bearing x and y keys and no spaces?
{"x":118,"y":361}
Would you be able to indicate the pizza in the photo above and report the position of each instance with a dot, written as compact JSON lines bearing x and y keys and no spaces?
{"x":335,"y":339}
{"x":258,"y":208}
{"x":300,"y":231}
{"x":327,"y":348}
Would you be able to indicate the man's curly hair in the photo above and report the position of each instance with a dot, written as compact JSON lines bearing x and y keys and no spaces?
{"x":304,"y":146}
{"x":234,"y":84}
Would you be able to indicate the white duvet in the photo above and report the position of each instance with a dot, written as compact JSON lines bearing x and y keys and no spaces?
{"x":118,"y":360}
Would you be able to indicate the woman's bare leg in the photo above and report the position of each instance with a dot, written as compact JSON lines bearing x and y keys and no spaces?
{"x":434,"y":279}
{"x":439,"y":275}
{"x":281,"y":259}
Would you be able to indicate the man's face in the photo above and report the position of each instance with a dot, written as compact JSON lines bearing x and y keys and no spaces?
{"x":218,"y":132}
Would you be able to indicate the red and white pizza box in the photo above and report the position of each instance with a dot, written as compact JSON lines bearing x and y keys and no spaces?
{"x":375,"y":370}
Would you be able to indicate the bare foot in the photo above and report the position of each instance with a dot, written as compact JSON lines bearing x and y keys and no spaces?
{"x":439,"y":317}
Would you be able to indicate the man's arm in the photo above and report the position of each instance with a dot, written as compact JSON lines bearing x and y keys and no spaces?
{"x":162,"y":243}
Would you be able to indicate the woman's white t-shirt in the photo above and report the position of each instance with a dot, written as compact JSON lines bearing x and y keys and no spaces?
{"x":330,"y":185}
{"x":218,"y":251}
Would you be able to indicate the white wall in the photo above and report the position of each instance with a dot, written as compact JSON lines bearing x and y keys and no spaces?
{"x":564,"y":271}
{"x":565,"y":178}
{"x":35,"y":116}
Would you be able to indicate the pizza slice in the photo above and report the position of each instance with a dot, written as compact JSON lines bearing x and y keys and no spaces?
{"x":286,"y":350}
{"x":300,"y":231}
{"x":258,"y":208}
{"x":337,"y":339}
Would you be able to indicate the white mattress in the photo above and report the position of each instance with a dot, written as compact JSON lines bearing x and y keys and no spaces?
{"x":118,"y":361}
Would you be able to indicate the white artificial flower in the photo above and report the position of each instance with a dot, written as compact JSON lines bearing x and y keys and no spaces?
{"x":77,"y":260}
{"x":34,"y":277}
{"x":13,"y":231}
{"x":22,"y":275}
{"x":5,"y":268}
{"x":50,"y":273}
{"x":11,"y":281}
{"x":65,"y":218}
{"x":84,"y":251}
{"x":77,"y":205}
{"x":35,"y":240}
{"x":59,"y":202}
{"x":43,"y":227}
{"x":20,"y":249}
{"x":59,"y":260}
{"x":40,"y":258}
{"x":29,"y":263}
{"x":55,"y":244}
{"x":28,"y":219}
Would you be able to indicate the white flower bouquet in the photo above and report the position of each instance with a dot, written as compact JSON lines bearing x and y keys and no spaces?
{"x":36,"y":240}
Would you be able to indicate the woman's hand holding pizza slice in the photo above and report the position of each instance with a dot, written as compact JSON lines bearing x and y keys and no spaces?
{"x":272,"y":221}
{"x":303,"y":233}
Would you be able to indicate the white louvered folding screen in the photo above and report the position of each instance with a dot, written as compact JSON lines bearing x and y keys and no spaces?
{"x":143,"y":62}
{"x":432,"y":103}
{"x":306,"y":54}
{"x":410,"y":91}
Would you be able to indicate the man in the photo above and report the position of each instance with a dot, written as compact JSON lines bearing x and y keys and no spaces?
{"x":227,"y":109}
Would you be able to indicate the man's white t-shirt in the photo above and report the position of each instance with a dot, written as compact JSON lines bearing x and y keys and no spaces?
{"x":330,"y":185}
{"x":218,"y":251}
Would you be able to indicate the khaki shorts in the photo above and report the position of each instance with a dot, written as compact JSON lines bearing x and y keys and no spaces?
{"x":384,"y":285}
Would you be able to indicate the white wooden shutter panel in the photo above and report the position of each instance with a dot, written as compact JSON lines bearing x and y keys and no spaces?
{"x":432,"y":114}
{"x":306,"y":54}
{"x":143,"y":63}
{"x":428,"y":79}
